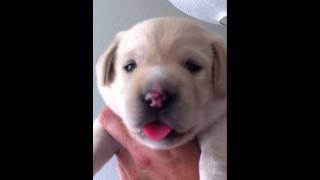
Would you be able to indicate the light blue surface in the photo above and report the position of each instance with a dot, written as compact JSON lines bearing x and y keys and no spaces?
{"x":108,"y":172}
{"x":111,"y":16}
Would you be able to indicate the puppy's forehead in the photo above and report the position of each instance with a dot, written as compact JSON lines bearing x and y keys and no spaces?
{"x":164,"y":34}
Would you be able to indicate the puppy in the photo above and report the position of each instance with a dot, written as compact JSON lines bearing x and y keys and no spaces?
{"x":166,"y":79}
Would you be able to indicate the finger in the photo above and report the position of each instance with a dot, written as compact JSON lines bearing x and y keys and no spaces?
{"x":113,"y":124}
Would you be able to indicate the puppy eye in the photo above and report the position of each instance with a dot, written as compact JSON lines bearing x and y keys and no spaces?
{"x":130,"y":66}
{"x":191,"y":66}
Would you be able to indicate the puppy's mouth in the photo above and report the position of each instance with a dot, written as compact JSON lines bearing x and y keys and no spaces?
{"x":158,"y":131}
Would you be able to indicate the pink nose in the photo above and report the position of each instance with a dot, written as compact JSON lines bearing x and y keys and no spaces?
{"x":159,"y":96}
{"x":155,"y":98}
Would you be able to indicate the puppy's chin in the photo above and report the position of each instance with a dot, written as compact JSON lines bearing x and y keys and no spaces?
{"x":173,"y":140}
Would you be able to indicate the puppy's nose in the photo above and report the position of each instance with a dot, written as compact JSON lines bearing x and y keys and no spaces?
{"x":157,"y":97}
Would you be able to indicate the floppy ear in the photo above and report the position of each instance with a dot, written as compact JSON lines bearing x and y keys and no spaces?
{"x":105,"y":66}
{"x":219,"y":71}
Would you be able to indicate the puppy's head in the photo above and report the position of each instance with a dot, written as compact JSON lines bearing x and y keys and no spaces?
{"x":165,"y":78}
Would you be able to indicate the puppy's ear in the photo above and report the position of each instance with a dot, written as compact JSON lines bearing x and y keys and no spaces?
{"x":105,"y":66}
{"x":219,"y":71}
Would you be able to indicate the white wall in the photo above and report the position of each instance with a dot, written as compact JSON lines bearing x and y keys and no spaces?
{"x":111,"y":16}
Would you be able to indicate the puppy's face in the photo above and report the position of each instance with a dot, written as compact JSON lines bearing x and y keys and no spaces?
{"x":163,"y":77}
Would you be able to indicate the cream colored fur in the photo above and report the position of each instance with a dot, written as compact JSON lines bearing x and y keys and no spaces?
{"x":160,"y":47}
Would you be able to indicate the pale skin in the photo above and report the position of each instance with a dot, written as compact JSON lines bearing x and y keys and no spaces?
{"x":136,"y":161}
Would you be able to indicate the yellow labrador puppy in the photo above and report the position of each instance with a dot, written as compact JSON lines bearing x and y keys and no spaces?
{"x":166,"y":79}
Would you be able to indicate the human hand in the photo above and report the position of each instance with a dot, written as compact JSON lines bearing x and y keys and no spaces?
{"x":136,"y":161}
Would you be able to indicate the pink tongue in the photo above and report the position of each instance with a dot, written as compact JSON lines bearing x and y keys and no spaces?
{"x":156,"y":131}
